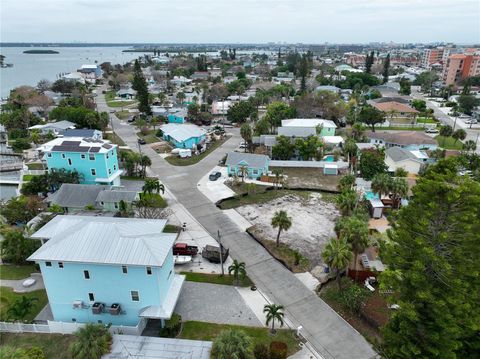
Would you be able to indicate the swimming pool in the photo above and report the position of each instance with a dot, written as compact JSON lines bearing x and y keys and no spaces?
{"x":329,"y":158}
{"x":370,"y":195}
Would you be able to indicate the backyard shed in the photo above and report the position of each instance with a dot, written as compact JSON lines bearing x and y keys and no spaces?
{"x":330,"y":169}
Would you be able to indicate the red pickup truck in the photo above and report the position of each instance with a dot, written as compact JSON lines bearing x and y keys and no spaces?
{"x":184,"y":249}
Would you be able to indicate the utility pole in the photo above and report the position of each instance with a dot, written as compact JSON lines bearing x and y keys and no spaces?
{"x":221,"y":251}
{"x":111,"y":125}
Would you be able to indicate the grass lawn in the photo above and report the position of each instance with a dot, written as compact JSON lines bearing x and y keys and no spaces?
{"x":27,"y":178}
{"x":285,"y":254}
{"x":216,"y":279}
{"x":448,"y":143}
{"x":54,"y":346}
{"x":425,"y":120}
{"x":12,"y":271}
{"x":209,"y":331}
{"x":8,"y":297}
{"x":114,"y":139}
{"x":111,"y":102}
{"x":132,"y":178}
{"x":261,"y":195}
{"x":149,"y":137}
{"x":177,"y":161}
{"x":309,"y":178}
{"x":123,"y":115}
{"x":171,"y":228}
{"x":35,"y":166}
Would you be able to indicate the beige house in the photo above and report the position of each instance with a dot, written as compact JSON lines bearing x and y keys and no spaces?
{"x":397,"y":113}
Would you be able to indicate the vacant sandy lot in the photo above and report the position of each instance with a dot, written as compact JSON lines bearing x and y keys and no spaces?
{"x":313,"y":222}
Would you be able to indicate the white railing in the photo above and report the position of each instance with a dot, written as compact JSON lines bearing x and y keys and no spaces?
{"x":67,"y":328}
{"x":34,"y":172}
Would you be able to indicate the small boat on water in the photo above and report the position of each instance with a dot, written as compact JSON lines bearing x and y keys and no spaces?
{"x":179,"y":260}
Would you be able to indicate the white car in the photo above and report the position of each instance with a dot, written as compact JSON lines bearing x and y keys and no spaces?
{"x":243,"y":145}
{"x":471,"y":121}
{"x":431,"y":130}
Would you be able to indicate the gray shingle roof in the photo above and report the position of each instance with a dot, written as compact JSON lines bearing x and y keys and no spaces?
{"x":76,"y":195}
{"x":256,"y":161}
{"x":116,"y":196}
{"x":403,"y":137}
{"x":84,"y":132}
{"x":400,"y":154}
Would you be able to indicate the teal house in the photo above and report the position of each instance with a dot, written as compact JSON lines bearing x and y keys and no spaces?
{"x":108,"y":270}
{"x":184,"y":136}
{"x":252,"y":165}
{"x":94,"y":159}
{"x":177,"y":116}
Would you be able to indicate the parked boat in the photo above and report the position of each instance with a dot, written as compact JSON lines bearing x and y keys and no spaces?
{"x":179,"y":260}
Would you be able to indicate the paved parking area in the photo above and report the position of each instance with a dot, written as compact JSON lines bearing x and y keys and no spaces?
{"x":214,"y":303}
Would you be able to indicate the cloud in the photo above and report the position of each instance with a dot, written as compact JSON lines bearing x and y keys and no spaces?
{"x":257,"y":21}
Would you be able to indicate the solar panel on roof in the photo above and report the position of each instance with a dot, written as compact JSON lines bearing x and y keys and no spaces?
{"x":94,"y":149}
{"x":107,"y":146}
{"x":71,"y":143}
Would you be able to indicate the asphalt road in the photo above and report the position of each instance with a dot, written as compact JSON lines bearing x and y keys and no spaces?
{"x":326,"y":331}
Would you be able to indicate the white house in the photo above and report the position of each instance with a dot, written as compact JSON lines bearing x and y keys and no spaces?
{"x":304,"y":127}
{"x":410,"y":161}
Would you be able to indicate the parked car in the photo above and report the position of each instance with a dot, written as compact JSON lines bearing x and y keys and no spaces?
{"x":471,"y":121}
{"x":131,"y":119}
{"x":214,"y":176}
{"x":431,"y":130}
{"x":243,"y":145}
{"x":142,"y":141}
{"x":184,"y":249}
{"x":212,"y":254}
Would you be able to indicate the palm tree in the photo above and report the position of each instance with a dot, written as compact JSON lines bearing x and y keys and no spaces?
{"x":469,"y":145}
{"x":355,"y":232}
{"x":278,"y":174}
{"x":92,"y":342}
{"x":381,"y":184}
{"x":144,"y":162}
{"x":180,"y":97}
{"x":347,"y":182}
{"x":274,"y":313}
{"x":243,"y":170}
{"x":238,"y":270}
{"x":399,"y":189}
{"x":357,"y":130}
{"x":231,"y":344}
{"x":337,"y":254}
{"x":21,"y":307}
{"x":246,"y":133}
{"x":282,"y":221}
{"x":445,"y":131}
{"x":350,"y":148}
{"x":153,"y":184}
{"x":459,"y":134}
{"x":347,"y":201}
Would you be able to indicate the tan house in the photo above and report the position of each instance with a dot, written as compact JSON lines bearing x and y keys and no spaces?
{"x":397,"y":113}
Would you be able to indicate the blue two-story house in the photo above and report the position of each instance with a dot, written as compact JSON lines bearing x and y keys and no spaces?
{"x":183,"y":136}
{"x":178,"y":115}
{"x":108,"y":270}
{"x":247,"y":164}
{"x":95,"y":159}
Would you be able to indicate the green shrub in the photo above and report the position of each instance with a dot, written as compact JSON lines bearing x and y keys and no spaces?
{"x":21,"y":144}
{"x":35,"y":353}
{"x":172,"y":326}
{"x":260,"y":351}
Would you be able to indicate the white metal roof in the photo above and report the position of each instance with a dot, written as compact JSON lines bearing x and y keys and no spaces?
{"x":182,"y":132}
{"x":308,"y":122}
{"x":333,"y":140}
{"x":104,"y":240}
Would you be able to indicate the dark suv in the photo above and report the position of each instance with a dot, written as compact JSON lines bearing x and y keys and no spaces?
{"x":214,"y":176}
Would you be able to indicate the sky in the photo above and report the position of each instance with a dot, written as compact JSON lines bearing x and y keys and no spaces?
{"x":235,"y":21}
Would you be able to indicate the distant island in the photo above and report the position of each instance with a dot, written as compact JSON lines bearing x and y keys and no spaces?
{"x":40,"y":52}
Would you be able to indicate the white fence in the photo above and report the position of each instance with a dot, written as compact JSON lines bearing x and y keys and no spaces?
{"x":67,"y":328}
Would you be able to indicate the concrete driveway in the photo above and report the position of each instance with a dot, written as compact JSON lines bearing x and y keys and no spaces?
{"x":215,"y":190}
{"x":214,"y":303}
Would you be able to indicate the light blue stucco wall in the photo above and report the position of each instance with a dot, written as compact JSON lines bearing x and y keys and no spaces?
{"x":103,"y":166}
{"x":327,"y":131}
{"x":189,"y":143}
{"x":253,"y":172}
{"x":172,"y":118}
{"x":109,"y":285}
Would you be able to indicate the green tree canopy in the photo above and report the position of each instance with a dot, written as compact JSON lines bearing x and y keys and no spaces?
{"x":371,"y":163}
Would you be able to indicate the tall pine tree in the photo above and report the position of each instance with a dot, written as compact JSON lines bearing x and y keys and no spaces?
{"x":140,"y":85}
{"x":434,"y":269}
{"x":386,"y":68}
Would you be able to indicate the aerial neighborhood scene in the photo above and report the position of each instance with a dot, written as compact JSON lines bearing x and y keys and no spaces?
{"x":240,"y":179}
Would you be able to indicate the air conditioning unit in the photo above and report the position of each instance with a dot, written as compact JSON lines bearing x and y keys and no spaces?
{"x":115,"y":309}
{"x":97,"y":308}
{"x":77,"y":304}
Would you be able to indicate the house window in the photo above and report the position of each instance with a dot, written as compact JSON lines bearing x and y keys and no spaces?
{"x":102,"y":203}
{"x":109,"y":171}
{"x":124,"y":269}
{"x":49,"y":154}
{"x":48,"y":264}
{"x":82,"y":156}
{"x":99,"y":322}
{"x":74,"y":320}
{"x":135,"y":295}
{"x":60,"y":264}
{"x":63,"y":155}
{"x":93,"y":171}
{"x":149,"y":270}
{"x":107,"y":156}
{"x":69,"y":161}
{"x":169,"y":274}
{"x":91,"y":157}
{"x":115,"y":204}
{"x":86,"y":274}
{"x":114,"y":167}
{"x":91,"y":297}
